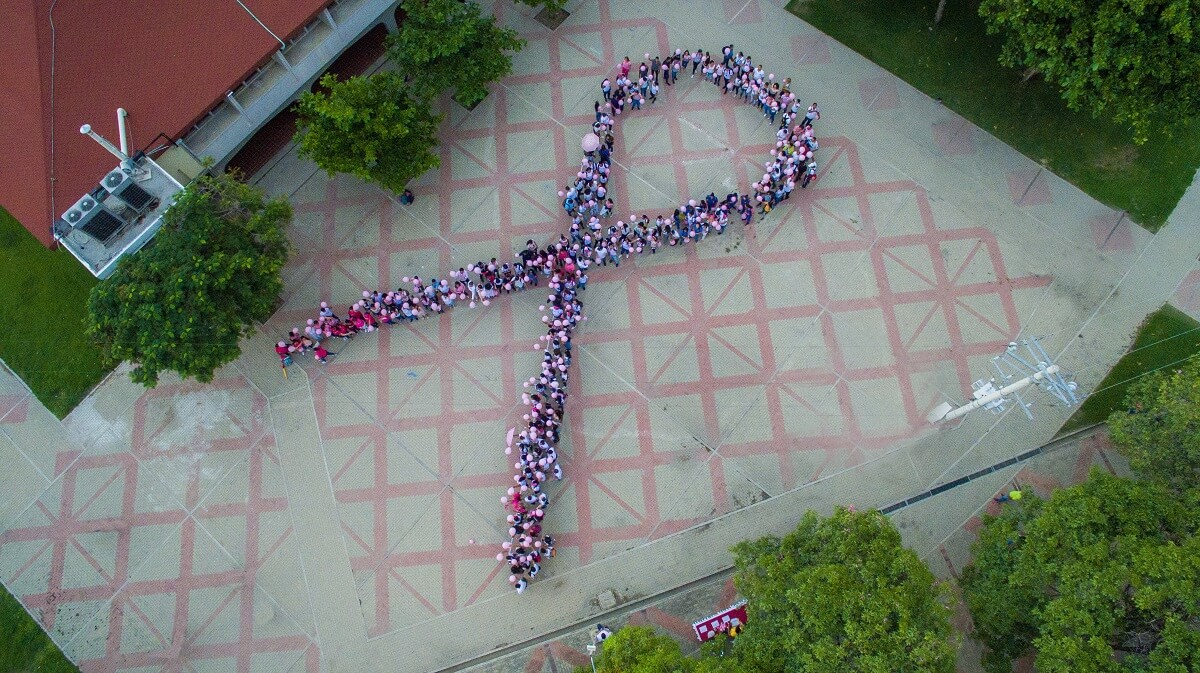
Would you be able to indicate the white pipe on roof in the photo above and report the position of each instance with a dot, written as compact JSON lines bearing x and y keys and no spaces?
{"x":121,"y":115}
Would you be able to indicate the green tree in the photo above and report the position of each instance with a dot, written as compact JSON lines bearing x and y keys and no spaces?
{"x":1160,"y":430}
{"x":1136,"y":61}
{"x":840,"y":594}
{"x":1104,"y":577}
{"x":638,"y":649}
{"x":212,"y":271}
{"x":368,"y":127}
{"x":449,"y":44}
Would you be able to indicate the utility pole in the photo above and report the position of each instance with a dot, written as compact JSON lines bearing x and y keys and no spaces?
{"x":1035,"y":369}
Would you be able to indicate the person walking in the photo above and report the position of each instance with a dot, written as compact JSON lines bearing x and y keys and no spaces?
{"x":1011,"y":496}
{"x":813,"y":114}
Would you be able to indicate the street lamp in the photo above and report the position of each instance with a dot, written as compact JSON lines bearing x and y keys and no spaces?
{"x":591,"y":650}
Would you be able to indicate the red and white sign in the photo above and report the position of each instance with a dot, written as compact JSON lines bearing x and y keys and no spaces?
{"x":709,"y":627}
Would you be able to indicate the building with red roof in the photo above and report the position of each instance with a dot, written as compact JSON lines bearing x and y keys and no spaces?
{"x":201,"y":78}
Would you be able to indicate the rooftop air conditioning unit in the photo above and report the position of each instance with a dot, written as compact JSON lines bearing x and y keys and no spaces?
{"x":78,"y":213}
{"x":122,"y":185}
{"x":92,"y":218}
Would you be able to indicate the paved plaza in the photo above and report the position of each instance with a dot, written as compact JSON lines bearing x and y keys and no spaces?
{"x":347,"y":517}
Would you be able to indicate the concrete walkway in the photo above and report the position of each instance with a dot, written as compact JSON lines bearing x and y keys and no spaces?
{"x":346,"y":518}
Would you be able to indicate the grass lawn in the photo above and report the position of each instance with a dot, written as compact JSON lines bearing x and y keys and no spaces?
{"x":1166,"y":337}
{"x":957,"y":63}
{"x":44,"y":294}
{"x":24,"y":647}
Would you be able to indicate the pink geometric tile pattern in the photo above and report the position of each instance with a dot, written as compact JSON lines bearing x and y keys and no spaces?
{"x":709,"y":378}
{"x":1029,"y":187}
{"x":741,"y":12}
{"x":954,"y":137}
{"x":879,"y":93}
{"x":1113,"y":233}
{"x":811,"y":49}
{"x":15,"y":408}
{"x":1187,"y":297}
{"x":147,"y":557}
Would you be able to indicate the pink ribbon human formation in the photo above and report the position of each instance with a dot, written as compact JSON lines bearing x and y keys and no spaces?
{"x":564,"y":263}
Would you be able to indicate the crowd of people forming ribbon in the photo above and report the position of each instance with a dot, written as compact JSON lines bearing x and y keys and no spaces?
{"x":564,"y":263}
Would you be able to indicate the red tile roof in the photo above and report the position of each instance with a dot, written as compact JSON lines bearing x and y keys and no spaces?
{"x":166,"y":62}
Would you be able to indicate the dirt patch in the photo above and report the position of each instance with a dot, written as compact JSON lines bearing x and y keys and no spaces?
{"x":551,"y":19}
{"x":1120,"y":158}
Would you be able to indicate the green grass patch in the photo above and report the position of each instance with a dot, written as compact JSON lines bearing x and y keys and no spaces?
{"x":24,"y":647}
{"x":957,"y":62}
{"x":1168,"y":336}
{"x":44,"y":294}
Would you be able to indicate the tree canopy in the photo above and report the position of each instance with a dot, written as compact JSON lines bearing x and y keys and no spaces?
{"x":449,"y":44}
{"x":1103,"y":577}
{"x":1160,"y":429}
{"x":837,"y":595}
{"x":840,"y":594}
{"x":1137,"y":61}
{"x":212,"y":271}
{"x":368,"y":127}
{"x":639,"y":649}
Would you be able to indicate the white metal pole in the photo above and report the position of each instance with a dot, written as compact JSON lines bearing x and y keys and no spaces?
{"x":86,"y":130}
{"x":992,"y":397}
{"x":121,"y":130}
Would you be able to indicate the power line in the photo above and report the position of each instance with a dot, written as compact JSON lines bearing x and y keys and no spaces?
{"x":1134,"y":378}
